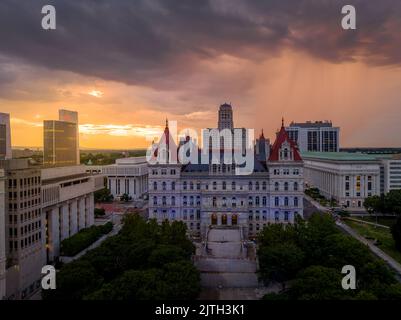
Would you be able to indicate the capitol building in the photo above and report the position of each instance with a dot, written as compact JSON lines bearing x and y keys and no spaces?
{"x":213,"y":195}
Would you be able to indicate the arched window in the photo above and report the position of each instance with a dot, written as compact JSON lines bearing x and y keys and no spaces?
{"x":295,"y":186}
{"x":286,"y":201}
{"x":276,"y":186}
{"x":164,"y":185}
{"x":264,"y":201}
{"x":173,"y":201}
{"x":155,"y":201}
{"x":257,"y":201}
{"x":295,"y":202}
{"x":214,"y":202}
{"x":154,"y":185}
{"x":164,"y":201}
{"x":264,"y":185}
{"x":276,"y":201}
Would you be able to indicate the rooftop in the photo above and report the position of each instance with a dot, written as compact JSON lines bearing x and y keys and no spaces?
{"x":343,"y":156}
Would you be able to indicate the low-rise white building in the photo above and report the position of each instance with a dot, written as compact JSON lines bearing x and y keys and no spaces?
{"x":127,"y":176}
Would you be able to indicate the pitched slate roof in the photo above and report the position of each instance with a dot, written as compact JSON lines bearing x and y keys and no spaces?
{"x":282,"y":137}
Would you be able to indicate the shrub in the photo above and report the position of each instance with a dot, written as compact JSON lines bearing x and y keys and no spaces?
{"x":83,"y":239}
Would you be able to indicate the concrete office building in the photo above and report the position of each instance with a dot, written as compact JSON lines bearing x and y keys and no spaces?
{"x":127,"y":176}
{"x":24,"y":236}
{"x":61,"y":140}
{"x":40,"y":207}
{"x":319,"y":136}
{"x":5,"y":136}
{"x":3,"y":256}
{"x":67,"y":204}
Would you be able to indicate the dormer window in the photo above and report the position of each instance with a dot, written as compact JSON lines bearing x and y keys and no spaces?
{"x":286,"y":152}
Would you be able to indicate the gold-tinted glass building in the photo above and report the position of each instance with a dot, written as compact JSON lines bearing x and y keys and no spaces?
{"x":61,"y":143}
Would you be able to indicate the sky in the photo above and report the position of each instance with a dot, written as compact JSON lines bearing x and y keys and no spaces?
{"x":126,"y":66}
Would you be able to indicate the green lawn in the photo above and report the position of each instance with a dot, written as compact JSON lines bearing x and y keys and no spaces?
{"x":381,"y":234}
{"x":387,"y":221}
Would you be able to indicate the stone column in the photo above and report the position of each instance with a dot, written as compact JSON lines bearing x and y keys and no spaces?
{"x":81,"y":215}
{"x":54,"y":233}
{"x":74,"y":217}
{"x":90,"y":216}
{"x":65,"y":223}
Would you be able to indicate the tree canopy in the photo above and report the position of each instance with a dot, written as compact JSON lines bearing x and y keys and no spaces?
{"x":144,"y":261}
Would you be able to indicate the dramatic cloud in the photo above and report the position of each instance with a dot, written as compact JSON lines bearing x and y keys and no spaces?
{"x":154,"y":42}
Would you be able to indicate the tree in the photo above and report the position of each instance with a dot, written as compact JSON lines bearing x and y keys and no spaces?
{"x":74,"y":281}
{"x":125,"y":197}
{"x":103,"y":195}
{"x":396,"y":233}
{"x":99,"y":212}
{"x":318,"y":283}
{"x":280,"y":262}
{"x":374,"y":204}
{"x":393,"y":201}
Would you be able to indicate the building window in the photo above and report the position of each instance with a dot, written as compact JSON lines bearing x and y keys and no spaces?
{"x":276,"y":186}
{"x":173,"y":185}
{"x":224,"y":185}
{"x":250,"y":185}
{"x":164,"y":185}
{"x":257,"y":185}
{"x":155,"y":201}
{"x":155,"y":185}
{"x":233,"y":185}
{"x":286,"y":201}
{"x":173,"y":201}
{"x":295,"y":202}
{"x":286,"y":215}
{"x":276,"y":201}
{"x":286,"y":186}
{"x":264,"y":201}
{"x":214,"y":185}
{"x":185,"y":185}
{"x":264,"y":185}
{"x":276,"y":216}
{"x":295,"y":186}
{"x":214,"y":202}
{"x":164,"y":201}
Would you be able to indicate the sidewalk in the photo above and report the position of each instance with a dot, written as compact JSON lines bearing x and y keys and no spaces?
{"x":378,"y":252}
{"x":94,"y":245}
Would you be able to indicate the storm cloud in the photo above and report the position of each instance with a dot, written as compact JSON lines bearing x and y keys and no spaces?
{"x":156,"y":43}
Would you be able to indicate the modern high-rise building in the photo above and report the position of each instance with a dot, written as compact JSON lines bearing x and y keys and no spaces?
{"x":61,"y":140}
{"x":5,"y":136}
{"x":318,"y":136}
{"x":24,"y":235}
{"x":3,"y":257}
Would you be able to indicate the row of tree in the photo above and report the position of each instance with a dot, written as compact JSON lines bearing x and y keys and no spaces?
{"x":307,"y":258}
{"x":144,"y":261}
{"x":389,"y":203}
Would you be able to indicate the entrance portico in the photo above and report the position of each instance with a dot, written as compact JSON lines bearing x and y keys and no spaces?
{"x":224,"y":219}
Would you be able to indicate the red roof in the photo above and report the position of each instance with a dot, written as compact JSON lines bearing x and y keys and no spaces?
{"x":166,"y":138}
{"x":282,"y":137}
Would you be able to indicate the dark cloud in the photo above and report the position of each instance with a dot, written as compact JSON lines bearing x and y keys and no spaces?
{"x":158,"y":42}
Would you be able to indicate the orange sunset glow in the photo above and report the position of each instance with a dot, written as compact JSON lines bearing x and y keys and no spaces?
{"x":183,"y":70}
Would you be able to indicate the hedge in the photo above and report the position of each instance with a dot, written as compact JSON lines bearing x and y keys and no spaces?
{"x":83,"y":239}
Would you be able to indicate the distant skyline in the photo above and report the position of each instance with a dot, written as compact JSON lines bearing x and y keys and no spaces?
{"x":126,"y":66}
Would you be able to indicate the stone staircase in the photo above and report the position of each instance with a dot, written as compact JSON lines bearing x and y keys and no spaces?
{"x":223,"y":261}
